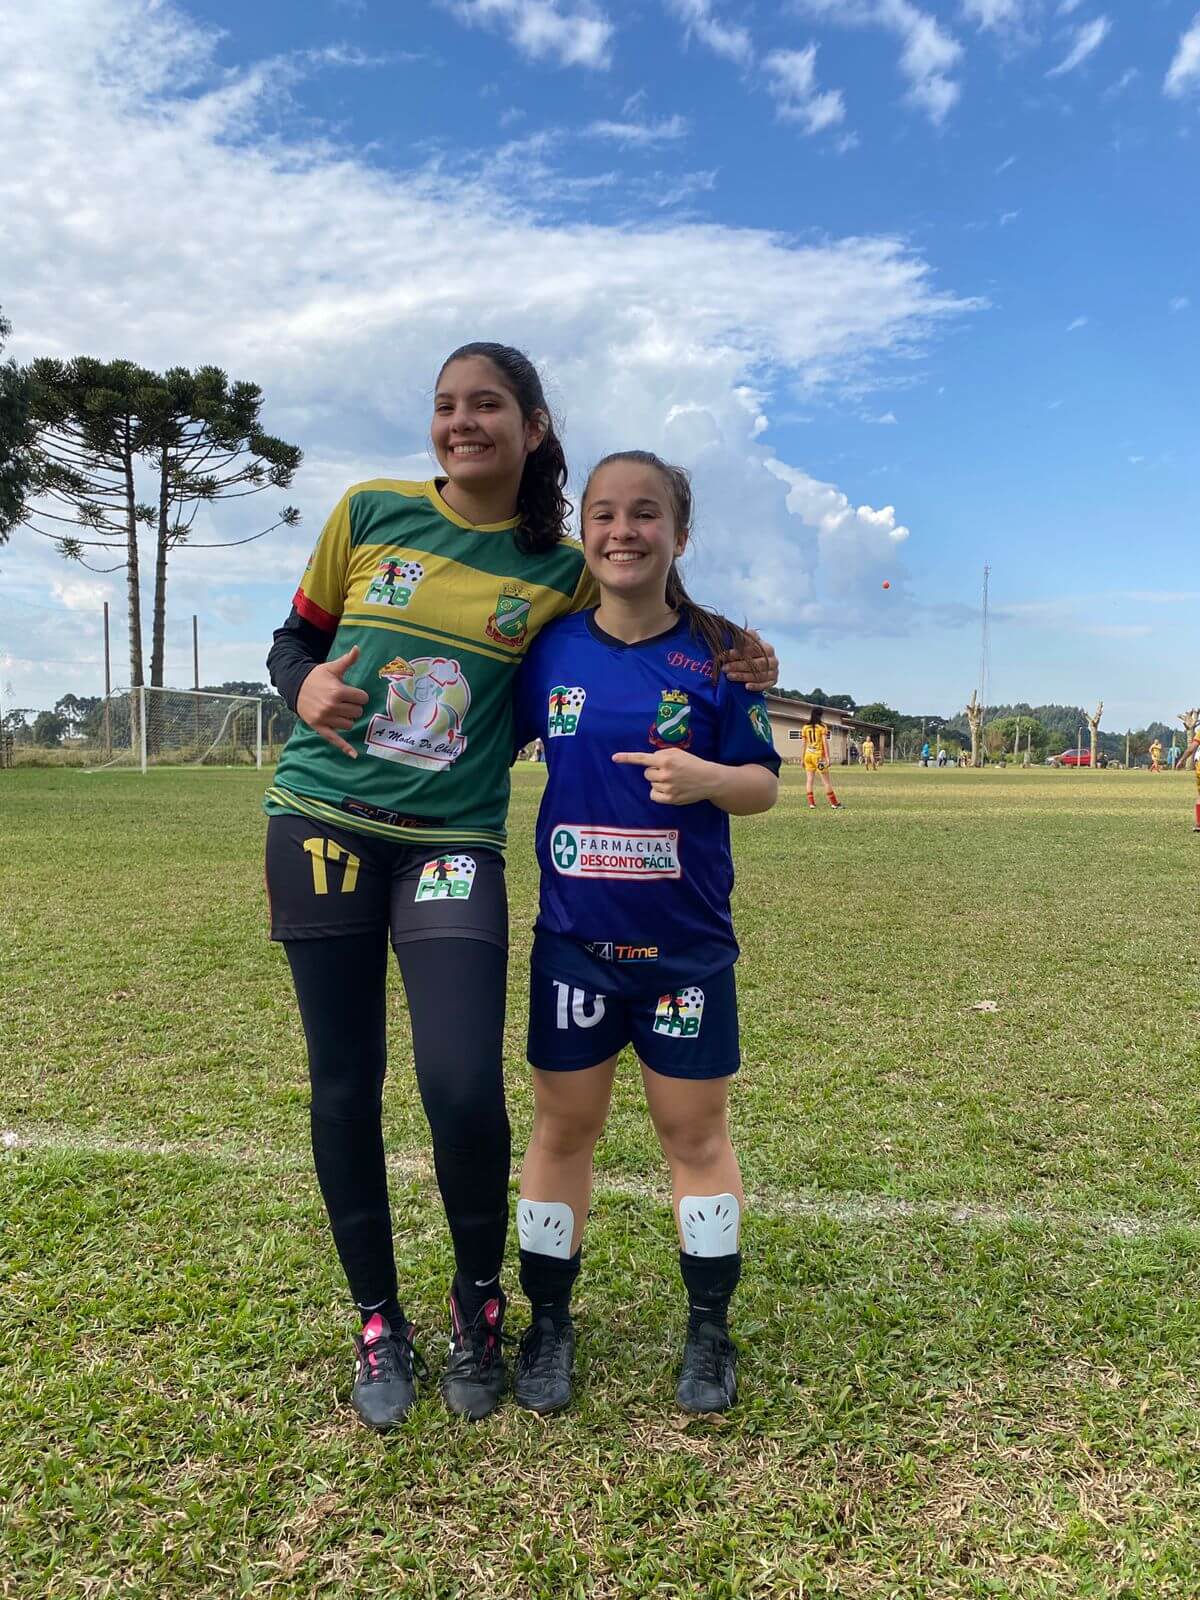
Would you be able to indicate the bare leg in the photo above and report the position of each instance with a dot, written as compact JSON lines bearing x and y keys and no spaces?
{"x":691,"y":1118}
{"x":569,"y":1113}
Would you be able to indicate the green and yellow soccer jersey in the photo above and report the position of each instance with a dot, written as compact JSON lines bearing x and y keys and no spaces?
{"x":442,"y":613}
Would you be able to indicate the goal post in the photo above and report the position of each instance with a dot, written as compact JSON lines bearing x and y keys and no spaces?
{"x":148,"y":727}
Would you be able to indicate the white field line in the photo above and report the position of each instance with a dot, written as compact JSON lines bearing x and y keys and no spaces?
{"x":854,"y":1209}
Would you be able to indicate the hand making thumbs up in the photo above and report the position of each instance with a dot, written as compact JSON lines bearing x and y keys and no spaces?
{"x":328,"y":704}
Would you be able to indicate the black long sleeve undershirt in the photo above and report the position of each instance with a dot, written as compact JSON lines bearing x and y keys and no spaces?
{"x":297,"y":648}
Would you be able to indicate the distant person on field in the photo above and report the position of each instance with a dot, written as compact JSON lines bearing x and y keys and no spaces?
{"x":868,"y":754}
{"x":1173,"y":756}
{"x":925,"y":754}
{"x":941,"y":756}
{"x":1156,"y":756}
{"x":816,"y":758}
{"x":1192,"y":753}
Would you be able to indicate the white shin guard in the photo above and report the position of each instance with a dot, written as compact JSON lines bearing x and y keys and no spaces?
{"x":546,"y":1227}
{"x":709,"y":1224}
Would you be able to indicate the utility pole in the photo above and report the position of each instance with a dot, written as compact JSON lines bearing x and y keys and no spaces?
{"x":107,"y":688}
{"x":196,"y":678}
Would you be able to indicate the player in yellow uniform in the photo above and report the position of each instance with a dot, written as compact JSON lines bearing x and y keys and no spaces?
{"x":816,"y":758}
{"x":1192,"y":754}
{"x":868,"y":755}
{"x":1156,"y":756}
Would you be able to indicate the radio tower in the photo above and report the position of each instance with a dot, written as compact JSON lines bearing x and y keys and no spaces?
{"x":985,"y":646}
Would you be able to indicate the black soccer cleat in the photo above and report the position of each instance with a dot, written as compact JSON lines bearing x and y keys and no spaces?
{"x":545,"y":1363}
{"x":385,"y":1372}
{"x":708,"y":1377}
{"x":475,"y":1375}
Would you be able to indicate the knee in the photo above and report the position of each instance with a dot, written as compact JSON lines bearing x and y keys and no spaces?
{"x":562,"y":1135}
{"x":468,"y":1115}
{"x":697,"y":1143}
{"x":345,"y":1091}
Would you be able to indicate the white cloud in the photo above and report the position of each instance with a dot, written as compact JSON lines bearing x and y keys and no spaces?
{"x":928,"y":54}
{"x":1130,"y":75}
{"x":641,"y":134}
{"x":995,"y":14}
{"x":1183,"y":75}
{"x":1004,"y":165}
{"x":1179,"y":302}
{"x":1007,"y":217}
{"x":793,"y":85}
{"x":541,"y":30}
{"x":1077,"y":322}
{"x":340,"y":286}
{"x":729,"y":40}
{"x":1087,"y":39}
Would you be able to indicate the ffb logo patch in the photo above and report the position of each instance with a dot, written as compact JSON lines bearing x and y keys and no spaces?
{"x":679,"y":1013}
{"x":564,"y":711}
{"x":393,"y":583}
{"x":446,"y":878}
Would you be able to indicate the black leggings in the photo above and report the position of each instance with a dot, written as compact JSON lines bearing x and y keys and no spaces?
{"x":456,"y":994}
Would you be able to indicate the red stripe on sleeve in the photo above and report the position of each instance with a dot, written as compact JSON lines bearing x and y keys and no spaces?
{"x":312,"y":612}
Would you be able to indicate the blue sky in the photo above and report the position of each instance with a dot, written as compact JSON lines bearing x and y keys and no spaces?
{"x":910,"y":287}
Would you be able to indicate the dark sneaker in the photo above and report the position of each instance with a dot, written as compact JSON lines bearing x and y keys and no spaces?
{"x":545,"y":1362}
{"x":708,"y":1378}
{"x":475,"y":1375}
{"x":385,"y":1373}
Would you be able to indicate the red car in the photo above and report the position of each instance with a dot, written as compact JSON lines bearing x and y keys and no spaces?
{"x":1074,"y":758}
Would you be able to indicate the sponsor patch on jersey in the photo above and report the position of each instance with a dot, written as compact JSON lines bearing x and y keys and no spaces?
{"x":678,"y":1013}
{"x":672,"y":721}
{"x":564,"y":711}
{"x":581,"y":851}
{"x":446,"y":878}
{"x":393,"y":583}
{"x":427,"y":702}
{"x":609,"y":950}
{"x":509,"y":623}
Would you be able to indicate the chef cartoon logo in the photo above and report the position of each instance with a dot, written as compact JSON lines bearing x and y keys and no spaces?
{"x":427,"y":703}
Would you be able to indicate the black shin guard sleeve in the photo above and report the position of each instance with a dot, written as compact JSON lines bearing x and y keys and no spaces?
{"x":710,"y":1280}
{"x":548,"y":1280}
{"x":340,"y":984}
{"x":456,"y":994}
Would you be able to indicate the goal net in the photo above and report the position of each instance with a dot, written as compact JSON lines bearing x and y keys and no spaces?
{"x":147,"y":727}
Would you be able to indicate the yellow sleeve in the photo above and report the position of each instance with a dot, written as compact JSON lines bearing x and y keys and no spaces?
{"x":321,"y":597}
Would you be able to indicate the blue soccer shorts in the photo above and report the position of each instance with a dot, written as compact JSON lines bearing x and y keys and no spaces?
{"x":690,"y":1032}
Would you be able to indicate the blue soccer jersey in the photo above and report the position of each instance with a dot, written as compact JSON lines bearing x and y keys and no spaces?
{"x":634,"y":894}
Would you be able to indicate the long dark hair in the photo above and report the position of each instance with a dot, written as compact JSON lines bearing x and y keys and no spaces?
{"x":716,"y":632}
{"x":541,"y":504}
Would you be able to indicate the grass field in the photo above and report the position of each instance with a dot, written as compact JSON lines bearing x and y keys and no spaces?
{"x":970,"y":1315}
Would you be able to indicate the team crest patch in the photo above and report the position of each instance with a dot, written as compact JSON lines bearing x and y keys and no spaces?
{"x":672,"y":721}
{"x":679,"y":1013}
{"x":566,"y":708}
{"x":393,"y":583}
{"x":427,"y":703}
{"x":761,"y":723}
{"x":446,"y":878}
{"x":509,"y":623}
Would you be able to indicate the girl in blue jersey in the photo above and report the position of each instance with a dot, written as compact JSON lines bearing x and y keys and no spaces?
{"x":649,"y":751}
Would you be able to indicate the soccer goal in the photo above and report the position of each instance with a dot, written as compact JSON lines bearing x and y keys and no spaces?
{"x":147,"y":727}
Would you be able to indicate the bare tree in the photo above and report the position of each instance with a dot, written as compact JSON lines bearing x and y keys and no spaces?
{"x":1093,"y":723}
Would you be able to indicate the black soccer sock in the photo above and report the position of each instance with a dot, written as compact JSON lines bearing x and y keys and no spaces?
{"x":390,"y":1310}
{"x":548,"y":1282}
{"x":710,"y":1282}
{"x":472,"y":1296}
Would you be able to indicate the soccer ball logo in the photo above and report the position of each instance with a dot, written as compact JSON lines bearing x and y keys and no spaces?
{"x":393,"y":583}
{"x":564,"y":711}
{"x":679,"y":1013}
{"x":446,"y":878}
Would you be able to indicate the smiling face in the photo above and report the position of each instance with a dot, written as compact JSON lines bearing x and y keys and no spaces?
{"x":630,"y":537}
{"x":479,"y":434}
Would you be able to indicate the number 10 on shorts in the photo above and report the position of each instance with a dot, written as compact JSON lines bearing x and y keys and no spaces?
{"x":573,"y":1007}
